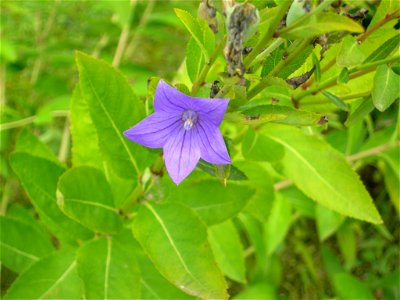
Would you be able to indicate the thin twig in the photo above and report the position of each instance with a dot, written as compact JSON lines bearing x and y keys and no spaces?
{"x":29,"y":120}
{"x":387,"y":18}
{"x":65,"y":141}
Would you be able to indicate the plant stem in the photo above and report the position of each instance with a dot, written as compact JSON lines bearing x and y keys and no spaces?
{"x":29,"y":120}
{"x":130,"y":49}
{"x":343,"y":98}
{"x":388,"y":17}
{"x":275,"y":44}
{"x":265,"y":81}
{"x":206,"y":68}
{"x":282,"y":9}
{"x":323,"y":69}
{"x":353,"y":73}
{"x":123,"y":39}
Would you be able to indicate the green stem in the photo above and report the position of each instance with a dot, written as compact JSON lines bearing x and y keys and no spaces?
{"x":350,"y":97}
{"x":206,"y":68}
{"x":275,"y":44}
{"x":282,"y":9}
{"x":387,"y":18}
{"x":29,"y":120}
{"x":265,"y":81}
{"x":353,"y":73}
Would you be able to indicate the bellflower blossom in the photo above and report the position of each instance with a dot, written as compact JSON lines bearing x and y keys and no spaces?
{"x":186,"y":128}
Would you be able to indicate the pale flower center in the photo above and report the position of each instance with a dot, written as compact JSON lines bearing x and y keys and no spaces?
{"x":189,"y":118}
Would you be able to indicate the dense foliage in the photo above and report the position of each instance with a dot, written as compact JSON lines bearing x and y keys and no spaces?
{"x":309,"y":207}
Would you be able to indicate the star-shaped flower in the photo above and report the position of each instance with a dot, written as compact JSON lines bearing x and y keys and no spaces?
{"x":186,"y":128}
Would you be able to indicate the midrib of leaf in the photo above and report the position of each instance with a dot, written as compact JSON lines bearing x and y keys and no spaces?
{"x":92,"y":204}
{"x":308,"y":164}
{"x":114,"y":126}
{"x":153,"y":292}
{"x":23,"y":253}
{"x":107,"y":271}
{"x":214,"y":205}
{"x":160,"y":221}
{"x":59,"y":280}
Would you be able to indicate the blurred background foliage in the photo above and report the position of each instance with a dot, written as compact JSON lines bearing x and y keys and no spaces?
{"x":323,"y":255}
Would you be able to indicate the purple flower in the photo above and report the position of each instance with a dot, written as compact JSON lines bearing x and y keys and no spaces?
{"x":186,"y":128}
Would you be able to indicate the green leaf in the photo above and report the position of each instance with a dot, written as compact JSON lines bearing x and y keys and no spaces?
{"x":18,"y":251}
{"x":108,"y":268}
{"x":384,"y":50}
{"x":347,"y":243}
{"x":350,"y":53}
{"x":153,"y":284}
{"x":53,"y":277}
{"x":260,"y":290}
{"x":385,"y":88}
{"x":193,"y":26}
{"x":361,"y":111}
{"x":232,"y":171}
{"x":330,"y":179}
{"x":213,"y":202}
{"x":258,"y":147}
{"x":113,"y":108}
{"x":28,"y":142}
{"x":296,"y":11}
{"x":300,"y":202}
{"x":85,"y":195}
{"x":194,"y":60}
{"x":321,"y":24}
{"x":335,"y":100}
{"x":39,"y":178}
{"x":328,"y":222}
{"x":348,"y":287}
{"x":287,"y":115}
{"x":85,"y":147}
{"x":183,"y":256}
{"x":228,"y":250}
{"x":278,"y":223}
{"x":317,"y":68}
{"x":343,"y":76}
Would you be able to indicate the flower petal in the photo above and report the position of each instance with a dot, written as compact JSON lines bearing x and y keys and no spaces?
{"x":154,"y":130}
{"x":211,"y":143}
{"x":181,"y":154}
{"x":213,"y":108}
{"x":169,"y":99}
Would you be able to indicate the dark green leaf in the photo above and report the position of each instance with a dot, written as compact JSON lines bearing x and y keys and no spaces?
{"x":183,"y":256}
{"x":343,"y":76}
{"x":85,"y":196}
{"x":213,"y":202}
{"x":108,"y":268}
{"x":19,"y":251}
{"x":361,"y":111}
{"x":53,"y":277}
{"x":39,"y":178}
{"x":335,"y":100}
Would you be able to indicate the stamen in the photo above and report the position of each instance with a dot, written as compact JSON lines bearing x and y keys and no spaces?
{"x":190,"y":118}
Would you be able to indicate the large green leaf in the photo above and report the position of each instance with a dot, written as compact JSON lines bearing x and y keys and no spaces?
{"x":18,"y":251}
{"x":213,"y":202}
{"x":278,"y":223}
{"x":153,"y":284}
{"x":85,"y":195}
{"x":228,"y":250}
{"x":321,"y":24}
{"x":113,"y":108}
{"x":348,"y":287}
{"x":183,"y":256}
{"x":53,"y":277}
{"x":330,"y":179}
{"x":85,"y":147}
{"x":258,"y":147}
{"x":39,"y":178}
{"x":350,"y":53}
{"x":108,"y":268}
{"x":386,"y":87}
